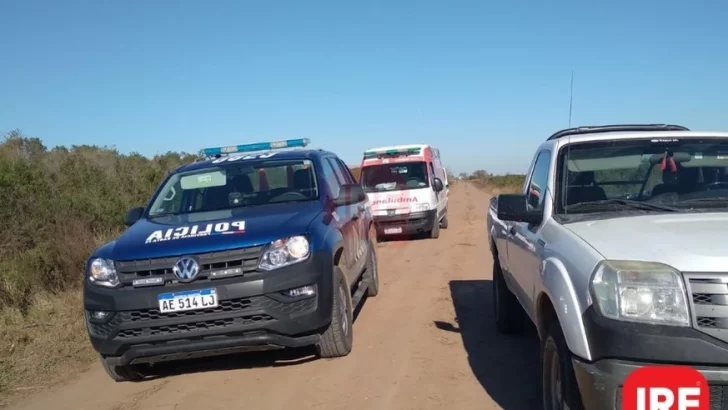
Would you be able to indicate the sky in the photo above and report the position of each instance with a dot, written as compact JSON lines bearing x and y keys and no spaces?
{"x":485,"y":81}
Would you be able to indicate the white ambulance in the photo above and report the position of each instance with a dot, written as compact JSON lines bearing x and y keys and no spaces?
{"x":407,"y":188}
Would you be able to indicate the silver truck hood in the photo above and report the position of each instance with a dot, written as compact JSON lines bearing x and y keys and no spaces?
{"x":687,"y":242}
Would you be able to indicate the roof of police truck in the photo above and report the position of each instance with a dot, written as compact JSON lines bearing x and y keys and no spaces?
{"x":272,"y":149}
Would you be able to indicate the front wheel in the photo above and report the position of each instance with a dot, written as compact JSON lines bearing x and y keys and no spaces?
{"x":372,"y":267}
{"x":560,"y":390}
{"x":338,"y":339}
{"x":435,"y":232}
{"x":443,"y":222}
{"x":126,"y":373}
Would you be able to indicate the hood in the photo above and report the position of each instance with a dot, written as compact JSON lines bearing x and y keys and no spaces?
{"x":687,"y":242}
{"x":183,"y":235}
{"x":401,"y":201}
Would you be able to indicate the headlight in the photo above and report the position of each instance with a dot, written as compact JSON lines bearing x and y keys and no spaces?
{"x":420,"y":207}
{"x":284,"y":252}
{"x":103,"y":273}
{"x":635,"y":291}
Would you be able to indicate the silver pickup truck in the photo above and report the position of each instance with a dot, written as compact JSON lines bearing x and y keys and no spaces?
{"x":617,"y":251}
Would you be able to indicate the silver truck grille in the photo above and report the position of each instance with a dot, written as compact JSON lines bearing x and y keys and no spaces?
{"x":708,"y":296}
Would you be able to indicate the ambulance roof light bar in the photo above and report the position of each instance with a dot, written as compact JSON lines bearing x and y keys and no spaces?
{"x":374,"y":153}
{"x":255,"y":147}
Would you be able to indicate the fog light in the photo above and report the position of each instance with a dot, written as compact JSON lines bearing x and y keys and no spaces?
{"x":99,"y":315}
{"x":302,"y":291}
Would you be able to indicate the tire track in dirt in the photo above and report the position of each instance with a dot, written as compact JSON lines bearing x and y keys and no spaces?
{"x":410,"y":346}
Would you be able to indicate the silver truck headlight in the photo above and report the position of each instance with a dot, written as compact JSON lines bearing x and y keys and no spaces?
{"x":102,"y":272}
{"x":285,"y":252}
{"x":636,"y":291}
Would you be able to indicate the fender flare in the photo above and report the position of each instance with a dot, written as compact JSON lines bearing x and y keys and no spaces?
{"x":558,"y":290}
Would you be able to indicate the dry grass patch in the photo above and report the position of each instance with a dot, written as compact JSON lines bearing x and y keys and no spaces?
{"x":44,"y":346}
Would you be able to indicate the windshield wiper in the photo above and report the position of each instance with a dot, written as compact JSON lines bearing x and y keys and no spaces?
{"x":163,"y":214}
{"x":717,"y":201}
{"x":611,"y":204}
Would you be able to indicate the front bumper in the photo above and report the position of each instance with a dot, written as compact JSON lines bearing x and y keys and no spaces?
{"x":601,"y":383}
{"x":406,"y":224}
{"x":253,"y":314}
{"x":618,"y":348}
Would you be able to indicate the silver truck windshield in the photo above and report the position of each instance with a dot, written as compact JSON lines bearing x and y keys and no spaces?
{"x":394,"y":177}
{"x":235,"y":184}
{"x":682,"y":173}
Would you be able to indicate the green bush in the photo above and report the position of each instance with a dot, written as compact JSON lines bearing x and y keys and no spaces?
{"x":57,"y":205}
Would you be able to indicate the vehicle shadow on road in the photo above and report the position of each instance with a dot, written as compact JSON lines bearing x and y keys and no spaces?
{"x":403,"y":238}
{"x":238,"y":361}
{"x":507,"y":367}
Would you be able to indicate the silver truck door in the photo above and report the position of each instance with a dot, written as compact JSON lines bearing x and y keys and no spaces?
{"x":525,"y":247}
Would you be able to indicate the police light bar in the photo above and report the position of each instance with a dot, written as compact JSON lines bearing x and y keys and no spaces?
{"x":391,"y":152}
{"x":258,"y":146}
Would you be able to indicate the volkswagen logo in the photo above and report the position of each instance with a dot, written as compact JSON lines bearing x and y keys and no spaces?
{"x":186,"y":269}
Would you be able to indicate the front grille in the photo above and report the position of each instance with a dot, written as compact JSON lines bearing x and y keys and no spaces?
{"x":718,"y":398}
{"x":194,"y":326}
{"x":144,"y":315}
{"x":246,"y":259}
{"x":229,"y":313}
{"x":708,"y":297}
{"x":105,"y":329}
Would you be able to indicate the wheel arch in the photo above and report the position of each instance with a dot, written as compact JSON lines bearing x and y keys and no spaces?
{"x":557,"y":300}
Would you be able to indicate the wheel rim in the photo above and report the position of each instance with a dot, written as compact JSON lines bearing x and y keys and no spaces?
{"x":343,"y":317}
{"x":555,"y":382}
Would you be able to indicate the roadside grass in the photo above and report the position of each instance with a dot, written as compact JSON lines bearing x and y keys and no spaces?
{"x":495,"y":185}
{"x":43,"y":346}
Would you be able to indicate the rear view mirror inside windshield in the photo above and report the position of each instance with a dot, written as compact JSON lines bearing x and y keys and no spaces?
{"x":203,"y":180}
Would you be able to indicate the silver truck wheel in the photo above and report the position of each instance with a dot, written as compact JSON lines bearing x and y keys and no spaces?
{"x":560,"y":390}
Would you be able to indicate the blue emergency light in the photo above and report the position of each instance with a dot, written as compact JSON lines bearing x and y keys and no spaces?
{"x":392,"y":152}
{"x":258,"y":146}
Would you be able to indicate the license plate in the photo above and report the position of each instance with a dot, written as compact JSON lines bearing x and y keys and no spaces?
{"x":391,"y":212}
{"x":392,"y":231}
{"x":187,"y":300}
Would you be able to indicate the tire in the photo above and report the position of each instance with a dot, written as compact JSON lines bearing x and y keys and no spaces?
{"x":126,"y":373}
{"x":435,"y":232}
{"x":509,"y":315}
{"x":443,"y":222}
{"x":372,"y":267}
{"x":337,"y":340}
{"x":560,"y":389}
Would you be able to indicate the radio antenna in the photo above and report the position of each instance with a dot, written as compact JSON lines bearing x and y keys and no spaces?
{"x":571,"y":96}
{"x":565,"y":183}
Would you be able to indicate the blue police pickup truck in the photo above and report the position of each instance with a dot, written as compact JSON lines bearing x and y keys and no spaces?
{"x":251,"y":247}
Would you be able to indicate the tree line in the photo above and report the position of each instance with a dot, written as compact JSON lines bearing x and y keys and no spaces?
{"x":57,"y":205}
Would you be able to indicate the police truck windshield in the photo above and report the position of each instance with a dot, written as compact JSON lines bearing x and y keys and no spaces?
{"x":236,"y":184}
{"x":397,"y":176}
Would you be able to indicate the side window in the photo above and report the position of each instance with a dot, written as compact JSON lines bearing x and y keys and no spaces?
{"x":330,"y":176}
{"x":344,"y":171}
{"x":539,"y":180}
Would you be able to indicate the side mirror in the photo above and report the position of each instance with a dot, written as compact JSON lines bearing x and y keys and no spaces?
{"x":514,"y":208}
{"x":437,"y":184}
{"x":133,"y":215}
{"x":350,"y":194}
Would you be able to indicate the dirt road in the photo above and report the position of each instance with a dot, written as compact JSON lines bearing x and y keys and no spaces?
{"x":426,"y":342}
